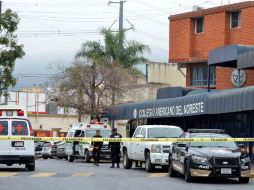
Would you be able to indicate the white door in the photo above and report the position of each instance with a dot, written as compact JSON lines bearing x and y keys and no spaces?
{"x":19,"y":147}
{"x":4,"y":144}
{"x":140,"y":154}
{"x":134,"y":145}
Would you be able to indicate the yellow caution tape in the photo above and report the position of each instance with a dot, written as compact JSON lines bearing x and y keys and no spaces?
{"x":72,"y":139}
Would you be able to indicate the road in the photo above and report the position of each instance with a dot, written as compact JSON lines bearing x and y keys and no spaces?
{"x":62,"y":175}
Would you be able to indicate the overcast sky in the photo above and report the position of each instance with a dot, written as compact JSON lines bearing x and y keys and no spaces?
{"x":53,"y":30}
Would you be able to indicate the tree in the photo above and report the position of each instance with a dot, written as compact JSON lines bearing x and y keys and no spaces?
{"x":81,"y":87}
{"x":123,"y":53}
{"x":10,"y":50}
{"x":94,"y":53}
{"x":101,"y":71}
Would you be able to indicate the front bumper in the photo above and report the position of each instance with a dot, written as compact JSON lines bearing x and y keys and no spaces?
{"x":216,"y":172}
{"x":105,"y":154}
{"x":159,"y":158}
{"x":16,"y":159}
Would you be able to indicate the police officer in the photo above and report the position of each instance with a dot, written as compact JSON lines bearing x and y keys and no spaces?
{"x":115,"y":149}
{"x":97,"y":148}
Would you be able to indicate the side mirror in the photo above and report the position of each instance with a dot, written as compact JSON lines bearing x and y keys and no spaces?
{"x":140,"y":136}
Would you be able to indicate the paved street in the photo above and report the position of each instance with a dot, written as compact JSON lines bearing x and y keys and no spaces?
{"x":62,"y":175}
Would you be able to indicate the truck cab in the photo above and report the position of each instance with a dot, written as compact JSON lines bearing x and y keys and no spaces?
{"x":84,"y":149}
{"x":14,"y":123}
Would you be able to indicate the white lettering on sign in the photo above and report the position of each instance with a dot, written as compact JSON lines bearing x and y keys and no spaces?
{"x":179,"y":110}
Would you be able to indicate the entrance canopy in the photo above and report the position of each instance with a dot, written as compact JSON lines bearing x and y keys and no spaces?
{"x":228,"y":56}
{"x":246,"y":60}
{"x":215,"y":102}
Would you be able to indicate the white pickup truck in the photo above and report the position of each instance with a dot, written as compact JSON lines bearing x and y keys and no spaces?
{"x":152,"y":153}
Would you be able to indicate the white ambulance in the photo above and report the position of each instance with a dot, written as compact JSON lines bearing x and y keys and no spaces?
{"x":14,"y":123}
{"x":84,"y":149}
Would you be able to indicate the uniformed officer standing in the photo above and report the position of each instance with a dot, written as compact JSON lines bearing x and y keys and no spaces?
{"x":115,"y":149}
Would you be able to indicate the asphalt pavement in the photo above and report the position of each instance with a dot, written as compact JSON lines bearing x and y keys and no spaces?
{"x":63,"y":175}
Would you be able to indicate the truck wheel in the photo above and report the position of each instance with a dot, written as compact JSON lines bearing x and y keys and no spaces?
{"x":244,"y":179}
{"x":149,"y":166}
{"x":70,"y":158}
{"x":127,"y":163}
{"x":187,"y":174}
{"x":30,"y":166}
{"x":171,"y":171}
{"x":87,"y":157}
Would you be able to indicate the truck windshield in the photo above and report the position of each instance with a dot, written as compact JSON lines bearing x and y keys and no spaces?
{"x":163,"y":132}
{"x":104,"y":133}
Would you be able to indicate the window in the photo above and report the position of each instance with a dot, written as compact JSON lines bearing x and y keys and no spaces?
{"x":137,"y":131}
{"x":163,"y":132}
{"x":199,"y":22}
{"x":19,"y":128}
{"x":199,"y":76}
{"x":3,"y":128}
{"x":235,"y":18}
{"x":143,"y":132}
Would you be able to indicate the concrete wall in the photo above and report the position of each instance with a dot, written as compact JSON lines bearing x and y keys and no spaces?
{"x":170,"y":74}
{"x":49,"y":122}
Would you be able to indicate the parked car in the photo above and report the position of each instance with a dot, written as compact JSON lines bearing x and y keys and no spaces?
{"x":49,"y":150}
{"x":208,"y":159}
{"x":60,"y":151}
{"x":152,"y":153}
{"x":38,"y":148}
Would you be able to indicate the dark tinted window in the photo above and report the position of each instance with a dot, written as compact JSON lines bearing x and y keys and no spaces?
{"x":235,"y":19}
{"x":212,"y":144}
{"x":19,"y":128}
{"x":200,"y":25}
{"x":3,"y":128}
{"x":104,"y":133}
{"x":199,"y":75}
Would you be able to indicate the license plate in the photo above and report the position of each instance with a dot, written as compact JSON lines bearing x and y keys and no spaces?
{"x":17,"y":144}
{"x":226,"y":171}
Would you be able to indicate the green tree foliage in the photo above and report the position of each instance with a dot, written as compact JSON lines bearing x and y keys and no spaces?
{"x":10,"y":50}
{"x":101,"y":71}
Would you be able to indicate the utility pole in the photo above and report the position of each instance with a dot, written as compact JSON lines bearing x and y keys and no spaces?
{"x":120,"y":28}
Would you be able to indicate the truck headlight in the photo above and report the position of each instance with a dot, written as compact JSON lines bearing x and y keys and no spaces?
{"x":198,"y":159}
{"x":155,"y":148}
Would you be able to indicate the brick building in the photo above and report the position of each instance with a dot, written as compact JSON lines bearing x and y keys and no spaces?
{"x":194,"y":34}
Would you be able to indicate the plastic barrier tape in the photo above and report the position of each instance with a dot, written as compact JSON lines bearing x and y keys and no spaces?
{"x":79,"y":139}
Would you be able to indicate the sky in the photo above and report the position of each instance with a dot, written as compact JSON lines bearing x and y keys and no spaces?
{"x":52,"y":31}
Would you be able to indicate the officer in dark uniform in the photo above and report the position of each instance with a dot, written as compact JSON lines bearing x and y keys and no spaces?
{"x":115,"y":149}
{"x":97,"y":148}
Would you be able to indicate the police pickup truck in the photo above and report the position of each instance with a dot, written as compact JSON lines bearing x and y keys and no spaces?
{"x":14,"y":123}
{"x":84,"y":149}
{"x":208,"y":159}
{"x":152,"y":153}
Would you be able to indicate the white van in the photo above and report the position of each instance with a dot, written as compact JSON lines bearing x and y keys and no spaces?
{"x":13,"y":123}
{"x":84,"y":149}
